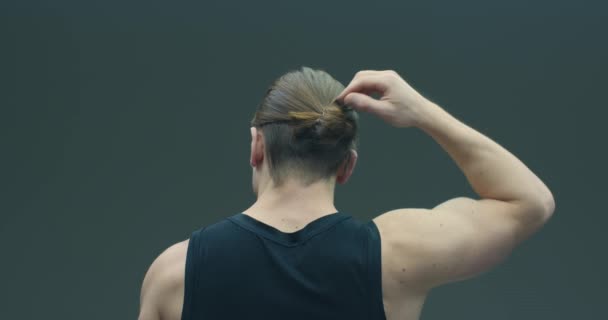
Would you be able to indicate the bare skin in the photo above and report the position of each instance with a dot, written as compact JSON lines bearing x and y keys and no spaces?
{"x":421,"y":248}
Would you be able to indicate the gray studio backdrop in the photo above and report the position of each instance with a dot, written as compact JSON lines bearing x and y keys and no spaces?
{"x":125,"y":126}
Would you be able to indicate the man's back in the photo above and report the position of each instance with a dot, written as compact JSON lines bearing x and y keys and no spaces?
{"x":240,"y":267}
{"x":333,"y":267}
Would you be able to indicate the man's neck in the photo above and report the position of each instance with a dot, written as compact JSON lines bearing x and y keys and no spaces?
{"x":294,"y":200}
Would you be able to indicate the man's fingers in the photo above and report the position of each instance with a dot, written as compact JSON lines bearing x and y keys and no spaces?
{"x":362,"y":102}
{"x":367,"y":83}
{"x":366,"y":73}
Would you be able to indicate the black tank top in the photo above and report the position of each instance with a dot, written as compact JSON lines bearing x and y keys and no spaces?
{"x":240,"y":268}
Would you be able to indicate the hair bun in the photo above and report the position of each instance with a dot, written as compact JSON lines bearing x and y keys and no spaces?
{"x":309,"y":134}
{"x":327,"y":126}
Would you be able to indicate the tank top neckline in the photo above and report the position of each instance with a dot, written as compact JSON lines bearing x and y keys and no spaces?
{"x":289,"y":238}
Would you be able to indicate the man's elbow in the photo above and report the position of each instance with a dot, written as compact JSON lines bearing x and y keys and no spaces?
{"x":545,"y":207}
{"x":539,"y":210}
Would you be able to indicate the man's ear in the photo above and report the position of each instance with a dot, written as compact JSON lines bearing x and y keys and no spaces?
{"x":346,"y":169}
{"x":257,"y":147}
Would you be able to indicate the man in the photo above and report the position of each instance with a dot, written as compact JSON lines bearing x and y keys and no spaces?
{"x":293,"y":255}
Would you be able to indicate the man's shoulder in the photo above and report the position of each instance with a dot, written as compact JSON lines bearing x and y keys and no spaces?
{"x":169,"y":264}
{"x":164,"y":277}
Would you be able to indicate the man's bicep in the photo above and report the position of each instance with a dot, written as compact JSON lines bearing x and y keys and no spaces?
{"x":466,"y":247}
{"x":438,"y":246}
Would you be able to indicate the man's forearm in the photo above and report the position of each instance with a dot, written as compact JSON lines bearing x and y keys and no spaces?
{"x":492,"y":171}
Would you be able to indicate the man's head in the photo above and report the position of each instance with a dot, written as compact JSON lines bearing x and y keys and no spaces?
{"x":299,"y":133}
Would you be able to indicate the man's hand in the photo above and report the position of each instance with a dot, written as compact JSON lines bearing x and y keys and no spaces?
{"x":399,"y":105}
